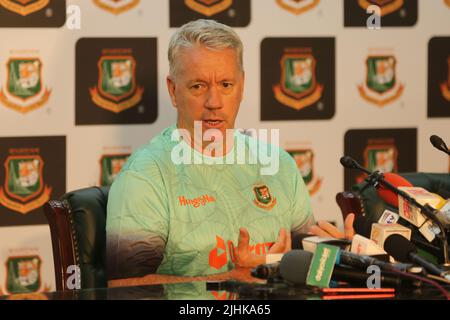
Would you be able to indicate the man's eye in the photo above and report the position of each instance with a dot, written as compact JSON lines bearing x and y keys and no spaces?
{"x":196,"y":86}
{"x":227,"y":84}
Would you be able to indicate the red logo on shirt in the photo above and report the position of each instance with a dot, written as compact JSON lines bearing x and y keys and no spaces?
{"x":218,"y":257}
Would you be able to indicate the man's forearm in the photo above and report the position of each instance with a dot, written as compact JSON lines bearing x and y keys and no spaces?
{"x":241,"y":274}
{"x":164,"y":278}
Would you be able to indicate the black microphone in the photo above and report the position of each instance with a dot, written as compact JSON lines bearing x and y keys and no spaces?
{"x":363,"y":226}
{"x":269,"y":271}
{"x":295,"y":264}
{"x":351,"y":163}
{"x":348,"y":258}
{"x":403,"y":250}
{"x":439,"y":144}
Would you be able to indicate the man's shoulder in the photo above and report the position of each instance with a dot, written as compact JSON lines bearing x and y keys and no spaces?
{"x":154,"y":153}
{"x":266,"y":147}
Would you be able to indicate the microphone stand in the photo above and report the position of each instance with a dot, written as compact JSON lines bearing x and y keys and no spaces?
{"x":428,"y":211}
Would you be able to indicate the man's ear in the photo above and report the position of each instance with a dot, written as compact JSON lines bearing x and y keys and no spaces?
{"x":171,"y":88}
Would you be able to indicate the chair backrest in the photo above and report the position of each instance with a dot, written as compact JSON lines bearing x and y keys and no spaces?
{"x":78,"y":230}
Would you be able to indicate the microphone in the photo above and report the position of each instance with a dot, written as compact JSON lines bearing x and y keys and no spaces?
{"x":294,"y":268}
{"x":363,"y":226}
{"x":388,"y":195}
{"x":403,"y":250}
{"x":269,"y":271}
{"x":345,"y":257}
{"x":439,"y":144}
{"x":309,"y":243}
{"x":351,"y":163}
{"x":429,"y":212}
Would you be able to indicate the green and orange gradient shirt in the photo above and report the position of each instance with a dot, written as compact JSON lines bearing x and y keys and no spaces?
{"x":181,"y":219}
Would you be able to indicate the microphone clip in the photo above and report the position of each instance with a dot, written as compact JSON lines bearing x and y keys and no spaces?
{"x":374,"y":178}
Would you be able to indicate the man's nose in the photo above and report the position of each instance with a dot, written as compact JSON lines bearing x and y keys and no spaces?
{"x":214,"y":99}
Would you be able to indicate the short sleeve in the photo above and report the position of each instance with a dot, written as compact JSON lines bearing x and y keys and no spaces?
{"x":137,"y":223}
{"x":302,"y":215}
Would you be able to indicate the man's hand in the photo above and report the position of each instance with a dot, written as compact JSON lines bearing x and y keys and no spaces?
{"x":326,"y":229}
{"x":242,"y":257}
{"x":283,"y":244}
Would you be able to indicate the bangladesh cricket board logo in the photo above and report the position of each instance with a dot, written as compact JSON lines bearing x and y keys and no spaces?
{"x":24,"y":89}
{"x":117,"y":89}
{"x":116,"y":6}
{"x":380,"y":157}
{"x":23,"y":274}
{"x":110,"y":166}
{"x":24,"y":188}
{"x":445,"y":86}
{"x":304,"y":159}
{"x":263,"y":198}
{"x":298,"y":87}
{"x":386,"y":6}
{"x":298,"y":6}
{"x":208,"y":7}
{"x":381,"y":86}
{"x":24,"y":7}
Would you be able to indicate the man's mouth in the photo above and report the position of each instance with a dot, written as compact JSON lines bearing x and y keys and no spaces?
{"x":213,"y":122}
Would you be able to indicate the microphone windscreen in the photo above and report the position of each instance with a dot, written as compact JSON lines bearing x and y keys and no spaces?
{"x":347,"y":162}
{"x":399,"y":247}
{"x":294,"y":266}
{"x":437,"y":142}
{"x":387,"y":195}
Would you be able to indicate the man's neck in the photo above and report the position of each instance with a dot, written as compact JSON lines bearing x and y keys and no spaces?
{"x":213,"y":146}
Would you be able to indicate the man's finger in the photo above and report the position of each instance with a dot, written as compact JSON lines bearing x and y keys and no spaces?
{"x":348,"y":226}
{"x":244,"y":239}
{"x":330,"y":229}
{"x":317,"y":231}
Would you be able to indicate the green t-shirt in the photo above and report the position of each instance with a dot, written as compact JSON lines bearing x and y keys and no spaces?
{"x":181,"y":219}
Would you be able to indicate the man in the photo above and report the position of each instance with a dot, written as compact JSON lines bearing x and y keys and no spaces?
{"x":170,"y":219}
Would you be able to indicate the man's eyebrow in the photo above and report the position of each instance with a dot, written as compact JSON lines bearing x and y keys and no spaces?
{"x":196,"y":80}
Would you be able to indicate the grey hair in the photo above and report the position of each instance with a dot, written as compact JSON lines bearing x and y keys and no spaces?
{"x":206,"y":33}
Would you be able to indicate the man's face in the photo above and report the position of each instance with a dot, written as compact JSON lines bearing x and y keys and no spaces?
{"x":208,"y":87}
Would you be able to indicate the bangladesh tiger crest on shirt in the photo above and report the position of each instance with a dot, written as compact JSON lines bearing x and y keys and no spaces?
{"x":208,"y":7}
{"x":110,"y":166}
{"x":117,"y":89}
{"x":116,"y":6}
{"x":381,"y":86}
{"x":445,"y":86}
{"x":297,"y":6}
{"x":298,"y":86}
{"x":24,"y":189}
{"x":386,"y":6}
{"x":24,"y":7}
{"x":25,"y":89}
{"x":304,"y":158}
{"x":263,"y":198}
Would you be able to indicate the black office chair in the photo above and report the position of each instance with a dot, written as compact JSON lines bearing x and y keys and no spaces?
{"x":78,"y":230}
